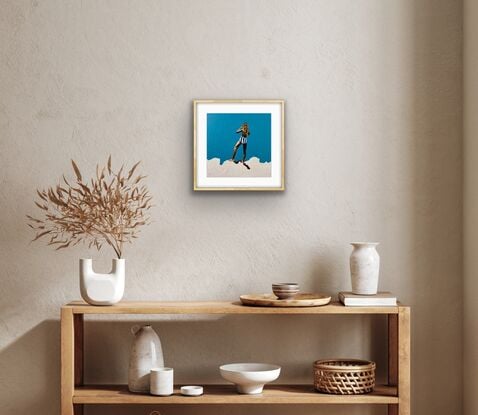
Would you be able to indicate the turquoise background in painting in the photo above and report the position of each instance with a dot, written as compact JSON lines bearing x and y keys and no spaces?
{"x":221,"y":136}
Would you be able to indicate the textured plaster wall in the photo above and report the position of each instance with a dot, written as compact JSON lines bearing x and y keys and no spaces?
{"x":373,"y":133}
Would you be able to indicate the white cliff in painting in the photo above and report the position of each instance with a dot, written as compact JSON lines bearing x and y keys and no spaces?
{"x":250,"y":168}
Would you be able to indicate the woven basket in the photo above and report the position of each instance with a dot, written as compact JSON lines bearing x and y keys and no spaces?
{"x":344,"y":376}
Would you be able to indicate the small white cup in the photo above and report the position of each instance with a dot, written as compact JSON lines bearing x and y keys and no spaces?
{"x":162,"y":381}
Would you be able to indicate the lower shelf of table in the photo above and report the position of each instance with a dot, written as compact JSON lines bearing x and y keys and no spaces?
{"x":226,"y":394}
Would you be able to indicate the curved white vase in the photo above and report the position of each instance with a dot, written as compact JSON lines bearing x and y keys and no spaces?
{"x":364,"y":268}
{"x":146,"y":354}
{"x":102,"y":289}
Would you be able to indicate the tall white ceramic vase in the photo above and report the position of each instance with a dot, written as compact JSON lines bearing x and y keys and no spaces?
{"x":102,"y":289}
{"x":146,"y":354}
{"x":364,"y":268}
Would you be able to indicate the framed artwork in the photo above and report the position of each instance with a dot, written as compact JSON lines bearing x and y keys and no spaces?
{"x":239,"y":145}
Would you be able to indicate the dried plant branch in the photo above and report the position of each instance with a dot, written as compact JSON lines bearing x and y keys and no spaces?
{"x":108,"y":209}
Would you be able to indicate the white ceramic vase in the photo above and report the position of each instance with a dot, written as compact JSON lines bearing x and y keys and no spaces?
{"x":102,"y":289}
{"x":146,"y":354}
{"x":364,"y":268}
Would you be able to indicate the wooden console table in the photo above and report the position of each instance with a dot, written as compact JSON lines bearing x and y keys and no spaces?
{"x":74,"y":394}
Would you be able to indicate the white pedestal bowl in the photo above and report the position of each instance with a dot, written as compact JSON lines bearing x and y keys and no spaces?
{"x":250,"y":378}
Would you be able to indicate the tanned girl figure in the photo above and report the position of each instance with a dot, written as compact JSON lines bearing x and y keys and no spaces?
{"x":244,"y":131}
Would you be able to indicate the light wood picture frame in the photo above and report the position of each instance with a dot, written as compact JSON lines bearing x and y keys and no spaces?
{"x":239,"y":145}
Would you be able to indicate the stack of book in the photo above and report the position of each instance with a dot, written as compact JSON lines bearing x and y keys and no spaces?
{"x":381,"y":299}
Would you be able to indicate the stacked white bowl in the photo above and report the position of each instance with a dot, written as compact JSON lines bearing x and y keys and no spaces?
{"x":285,"y":290}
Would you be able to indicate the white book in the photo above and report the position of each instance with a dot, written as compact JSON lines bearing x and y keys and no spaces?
{"x":380,"y":299}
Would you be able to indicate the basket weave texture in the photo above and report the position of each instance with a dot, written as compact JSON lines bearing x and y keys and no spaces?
{"x":344,"y":376}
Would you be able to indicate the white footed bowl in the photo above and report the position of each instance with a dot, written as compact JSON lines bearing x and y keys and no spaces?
{"x":250,"y":378}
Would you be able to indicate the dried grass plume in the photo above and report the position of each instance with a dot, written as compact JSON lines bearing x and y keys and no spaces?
{"x":108,"y":209}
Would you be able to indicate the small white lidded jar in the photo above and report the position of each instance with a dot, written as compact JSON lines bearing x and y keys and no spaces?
{"x":162,"y":381}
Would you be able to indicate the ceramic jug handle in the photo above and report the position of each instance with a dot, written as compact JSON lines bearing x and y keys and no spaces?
{"x":135,"y":329}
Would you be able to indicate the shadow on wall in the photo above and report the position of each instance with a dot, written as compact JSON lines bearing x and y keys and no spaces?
{"x":195,"y":348}
{"x":436,"y":245}
{"x":29,"y":377}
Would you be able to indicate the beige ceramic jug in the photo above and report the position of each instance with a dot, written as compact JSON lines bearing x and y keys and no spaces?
{"x":146,"y":353}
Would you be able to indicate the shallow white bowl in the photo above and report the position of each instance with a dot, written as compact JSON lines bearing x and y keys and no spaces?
{"x":250,"y":378}
{"x":191,"y":390}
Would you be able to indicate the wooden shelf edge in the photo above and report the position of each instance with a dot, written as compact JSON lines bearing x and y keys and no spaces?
{"x":219,"y":307}
{"x":226,"y":394}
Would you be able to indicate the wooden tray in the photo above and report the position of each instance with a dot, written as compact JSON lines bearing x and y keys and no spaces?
{"x":300,"y":300}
